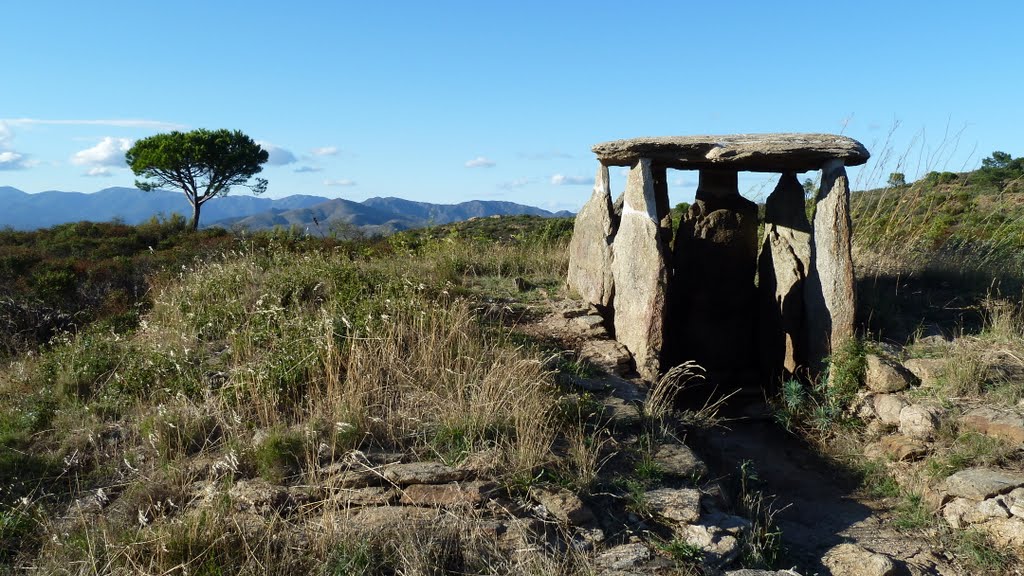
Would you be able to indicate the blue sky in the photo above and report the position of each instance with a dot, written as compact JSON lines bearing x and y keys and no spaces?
{"x":452,"y":101}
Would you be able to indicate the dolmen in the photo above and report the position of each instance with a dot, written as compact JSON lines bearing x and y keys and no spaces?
{"x":711,"y":290}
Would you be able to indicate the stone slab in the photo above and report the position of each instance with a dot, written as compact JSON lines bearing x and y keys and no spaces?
{"x":981,"y":483}
{"x":745,"y":152}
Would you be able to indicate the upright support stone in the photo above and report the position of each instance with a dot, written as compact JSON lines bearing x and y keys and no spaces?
{"x":713,"y":301}
{"x":661,"y":200}
{"x":590,"y":251}
{"x":830,"y":292}
{"x":639,"y":270}
{"x":783,"y":266}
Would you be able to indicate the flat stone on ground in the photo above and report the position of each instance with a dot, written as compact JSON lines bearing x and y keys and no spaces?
{"x":1003,"y":424}
{"x":679,"y":460}
{"x":422,"y":473}
{"x":678,"y":505}
{"x":981,"y":483}
{"x":744,"y":152}
{"x":854,"y":560}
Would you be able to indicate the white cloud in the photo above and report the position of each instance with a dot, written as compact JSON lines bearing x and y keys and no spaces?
{"x":480,"y":162}
{"x":517,"y":183}
{"x":10,"y":160}
{"x":325,"y":151}
{"x":341,"y":182}
{"x":683,"y":182}
{"x":109,"y":152}
{"x":122,"y":123}
{"x":278,"y":156}
{"x":303,"y":169}
{"x":563,"y":180}
{"x":98,"y":171}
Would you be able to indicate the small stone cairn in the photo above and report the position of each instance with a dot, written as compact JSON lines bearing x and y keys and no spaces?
{"x":695,"y":298}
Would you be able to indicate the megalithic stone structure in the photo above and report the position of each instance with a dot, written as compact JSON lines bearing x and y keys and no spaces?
{"x":639,"y":263}
{"x":590,"y":251}
{"x":806,"y":287}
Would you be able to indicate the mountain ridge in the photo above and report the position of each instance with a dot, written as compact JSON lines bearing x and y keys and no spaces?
{"x":23,"y":211}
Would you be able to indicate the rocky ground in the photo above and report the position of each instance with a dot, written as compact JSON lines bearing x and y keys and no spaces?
{"x":828,"y":522}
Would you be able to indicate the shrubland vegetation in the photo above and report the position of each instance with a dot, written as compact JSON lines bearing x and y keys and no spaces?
{"x":141,"y":364}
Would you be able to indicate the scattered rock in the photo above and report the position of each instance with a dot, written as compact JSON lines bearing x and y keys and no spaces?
{"x":422,"y":473}
{"x":898,"y":447}
{"x":624,"y":556}
{"x":678,"y":505}
{"x":679,"y":460}
{"x":591,"y":325}
{"x":888,"y":408}
{"x":386,"y":517}
{"x":1014,"y":501}
{"x":609,"y":355}
{"x":1003,"y":424}
{"x":961,"y":512}
{"x":563,"y":505}
{"x":886,"y":375}
{"x":981,"y":483}
{"x":620,"y":413}
{"x":719,"y":535}
{"x":447,"y":495}
{"x":1007,"y":532}
{"x":927,"y":370}
{"x":919,"y":421}
{"x":368,"y":496}
{"x":854,"y":560}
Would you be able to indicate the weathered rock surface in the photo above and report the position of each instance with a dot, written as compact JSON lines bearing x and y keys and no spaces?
{"x":624,"y":557}
{"x":1008,"y":532}
{"x":563,"y":505}
{"x":742,"y":152}
{"x":897,"y":447}
{"x":715,"y":257}
{"x":927,"y":370}
{"x":886,"y":375}
{"x":610,"y":355}
{"x":591,"y":325}
{"x":678,"y":460}
{"x":830,"y":294}
{"x":678,"y":505}
{"x":854,"y":560}
{"x":919,"y":421}
{"x":962,"y":512}
{"x":451,"y":494}
{"x":980,"y":483}
{"x":719,"y":535}
{"x":422,"y":473}
{"x":888,"y":408}
{"x":590,"y":250}
{"x":639,"y":262}
{"x":1004,"y":424}
{"x":783,"y":264}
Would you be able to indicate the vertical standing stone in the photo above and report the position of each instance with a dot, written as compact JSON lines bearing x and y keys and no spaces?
{"x":590,"y":251}
{"x":640,"y":270}
{"x":782,"y":269}
{"x":713,"y":300}
{"x":660,"y":175}
{"x":830,"y":287}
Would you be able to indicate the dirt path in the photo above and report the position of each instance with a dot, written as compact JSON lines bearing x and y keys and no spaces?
{"x":821,"y":509}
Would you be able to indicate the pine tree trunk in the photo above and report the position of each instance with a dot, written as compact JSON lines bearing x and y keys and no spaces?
{"x":195,"y":216}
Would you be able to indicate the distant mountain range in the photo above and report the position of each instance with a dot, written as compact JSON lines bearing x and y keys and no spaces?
{"x":23,"y":211}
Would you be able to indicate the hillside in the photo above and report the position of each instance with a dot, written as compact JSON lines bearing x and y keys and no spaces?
{"x":435,"y":402}
{"x":315,"y":214}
